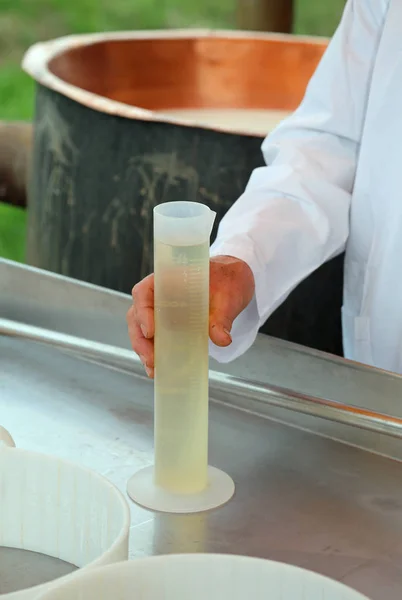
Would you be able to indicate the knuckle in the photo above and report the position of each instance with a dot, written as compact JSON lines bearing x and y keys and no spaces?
{"x":134,"y":291}
{"x":135,"y":345}
{"x":130,"y":315}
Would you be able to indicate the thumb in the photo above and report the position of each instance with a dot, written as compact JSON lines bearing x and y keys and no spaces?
{"x":224,"y":308}
{"x":231,"y":289}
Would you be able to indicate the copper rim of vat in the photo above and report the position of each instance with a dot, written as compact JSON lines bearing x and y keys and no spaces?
{"x":52,"y":506}
{"x":137,"y":75}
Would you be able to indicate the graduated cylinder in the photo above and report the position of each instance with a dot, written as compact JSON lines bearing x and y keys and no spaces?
{"x":181,"y":265}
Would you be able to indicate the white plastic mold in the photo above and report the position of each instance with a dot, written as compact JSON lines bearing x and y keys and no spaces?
{"x":54,"y":507}
{"x":201,"y":577}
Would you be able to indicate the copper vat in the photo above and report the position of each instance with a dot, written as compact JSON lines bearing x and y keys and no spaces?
{"x":104,"y":155}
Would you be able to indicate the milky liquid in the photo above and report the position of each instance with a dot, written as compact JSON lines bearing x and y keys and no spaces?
{"x":241,"y":120}
{"x":181,"y":375}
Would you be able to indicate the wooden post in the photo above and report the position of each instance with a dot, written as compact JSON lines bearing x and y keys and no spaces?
{"x":265,"y":15}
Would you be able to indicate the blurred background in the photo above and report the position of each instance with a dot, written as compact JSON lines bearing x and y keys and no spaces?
{"x":24,"y":22}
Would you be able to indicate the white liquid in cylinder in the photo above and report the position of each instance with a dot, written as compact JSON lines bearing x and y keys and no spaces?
{"x":181,"y":359}
{"x":240,"y":120}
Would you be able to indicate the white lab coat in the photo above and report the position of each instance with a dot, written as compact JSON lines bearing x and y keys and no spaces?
{"x":333,"y":180}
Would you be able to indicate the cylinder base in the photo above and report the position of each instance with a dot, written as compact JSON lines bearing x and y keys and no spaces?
{"x":142,"y":490}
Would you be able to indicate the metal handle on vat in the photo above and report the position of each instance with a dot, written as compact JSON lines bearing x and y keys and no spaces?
{"x":219,"y":382}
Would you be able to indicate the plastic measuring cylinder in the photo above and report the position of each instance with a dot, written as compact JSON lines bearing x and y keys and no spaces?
{"x":181,"y":480}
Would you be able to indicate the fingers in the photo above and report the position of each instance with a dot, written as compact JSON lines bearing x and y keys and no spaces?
{"x":140,"y":321}
{"x":141,"y":345}
{"x":143,"y":297}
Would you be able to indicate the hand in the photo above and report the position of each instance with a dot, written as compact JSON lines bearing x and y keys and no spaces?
{"x":231,"y":290}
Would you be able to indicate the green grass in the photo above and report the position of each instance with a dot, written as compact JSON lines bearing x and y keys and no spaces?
{"x":12,"y":232}
{"x":23,"y":22}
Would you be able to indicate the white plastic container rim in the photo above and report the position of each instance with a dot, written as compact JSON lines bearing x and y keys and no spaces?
{"x":183,"y":223}
{"x":57,"y":508}
{"x":201,"y":577}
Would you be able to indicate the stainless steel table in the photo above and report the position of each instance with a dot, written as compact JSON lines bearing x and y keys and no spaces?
{"x":310,"y":491}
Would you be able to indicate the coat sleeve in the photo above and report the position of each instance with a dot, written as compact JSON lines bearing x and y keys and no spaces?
{"x":294,"y":213}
